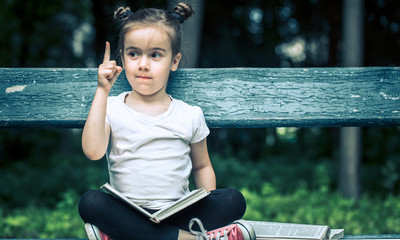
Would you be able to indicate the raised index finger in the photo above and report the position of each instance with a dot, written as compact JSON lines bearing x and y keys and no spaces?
{"x":107,"y":53}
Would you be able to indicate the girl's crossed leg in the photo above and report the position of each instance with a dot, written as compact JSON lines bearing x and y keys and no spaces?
{"x":120,"y":221}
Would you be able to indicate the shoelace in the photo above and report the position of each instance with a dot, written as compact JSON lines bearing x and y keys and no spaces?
{"x":203,"y":232}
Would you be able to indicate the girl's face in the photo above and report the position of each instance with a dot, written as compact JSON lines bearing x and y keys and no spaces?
{"x":147,"y":60}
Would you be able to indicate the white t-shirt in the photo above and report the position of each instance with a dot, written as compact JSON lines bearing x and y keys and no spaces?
{"x":148,"y":157}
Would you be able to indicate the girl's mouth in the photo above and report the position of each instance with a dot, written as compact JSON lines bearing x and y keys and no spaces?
{"x":143,"y":77}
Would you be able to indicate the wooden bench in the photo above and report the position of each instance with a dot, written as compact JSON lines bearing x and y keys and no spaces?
{"x":230,"y":98}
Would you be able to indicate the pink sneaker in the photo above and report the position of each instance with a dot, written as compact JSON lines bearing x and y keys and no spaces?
{"x":238,"y":230}
{"x":94,"y":233}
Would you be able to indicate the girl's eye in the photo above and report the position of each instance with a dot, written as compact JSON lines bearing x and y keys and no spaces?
{"x":156,"y":55}
{"x":133,"y":54}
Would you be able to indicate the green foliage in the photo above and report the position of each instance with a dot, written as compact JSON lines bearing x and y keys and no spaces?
{"x":50,"y":163}
{"x":282,"y":171}
{"x":44,"y":222}
{"x":365,"y":216}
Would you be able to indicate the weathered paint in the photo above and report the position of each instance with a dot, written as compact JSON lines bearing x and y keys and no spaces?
{"x":229,"y":97}
{"x":18,"y":88}
{"x":387,"y":96}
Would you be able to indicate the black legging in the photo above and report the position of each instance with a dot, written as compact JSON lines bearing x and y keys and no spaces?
{"x":120,"y":221}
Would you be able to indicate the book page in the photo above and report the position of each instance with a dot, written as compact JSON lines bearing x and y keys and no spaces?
{"x":163,"y":213}
{"x":274,"y":230}
{"x":180,"y":204}
{"x":110,"y":190}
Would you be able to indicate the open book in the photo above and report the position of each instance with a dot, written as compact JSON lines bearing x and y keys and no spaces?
{"x":292,"y":231}
{"x":187,"y":200}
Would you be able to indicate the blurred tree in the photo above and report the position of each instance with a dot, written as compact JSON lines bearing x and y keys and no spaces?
{"x":271,"y":33}
{"x":103,"y":13}
{"x":350,"y":137}
{"x":192,"y":33}
{"x":38,"y":33}
{"x":382,"y":18}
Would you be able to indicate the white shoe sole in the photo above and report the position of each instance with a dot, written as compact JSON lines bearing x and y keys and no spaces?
{"x":92,"y":232}
{"x":246,"y":227}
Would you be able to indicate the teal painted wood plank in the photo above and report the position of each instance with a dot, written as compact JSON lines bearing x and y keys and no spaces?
{"x":232,"y":97}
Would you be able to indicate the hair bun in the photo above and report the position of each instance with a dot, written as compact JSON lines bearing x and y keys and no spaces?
{"x":184,"y":11}
{"x":122,"y":13}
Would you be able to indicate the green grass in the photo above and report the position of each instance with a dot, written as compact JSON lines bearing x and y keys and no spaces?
{"x":365,"y":216}
{"x":62,"y":221}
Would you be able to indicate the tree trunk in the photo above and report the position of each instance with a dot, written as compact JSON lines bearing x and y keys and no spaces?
{"x":350,"y":155}
{"x":350,"y":137}
{"x":192,"y":29}
{"x":102,"y":10}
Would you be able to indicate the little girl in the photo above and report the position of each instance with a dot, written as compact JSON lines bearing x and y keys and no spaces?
{"x":152,"y":141}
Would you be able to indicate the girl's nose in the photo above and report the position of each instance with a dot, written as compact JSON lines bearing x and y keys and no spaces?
{"x":144,"y":64}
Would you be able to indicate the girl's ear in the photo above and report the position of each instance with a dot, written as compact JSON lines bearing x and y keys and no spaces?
{"x":175,"y":62}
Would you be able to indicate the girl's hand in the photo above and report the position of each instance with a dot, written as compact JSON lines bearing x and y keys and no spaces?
{"x":108,"y":71}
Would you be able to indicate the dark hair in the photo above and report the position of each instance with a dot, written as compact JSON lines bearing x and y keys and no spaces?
{"x":169,"y":21}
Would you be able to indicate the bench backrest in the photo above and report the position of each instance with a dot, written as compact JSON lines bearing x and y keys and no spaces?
{"x":231,"y":97}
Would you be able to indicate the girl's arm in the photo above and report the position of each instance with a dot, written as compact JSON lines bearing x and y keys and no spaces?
{"x":96,"y":132}
{"x":203,"y":172}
